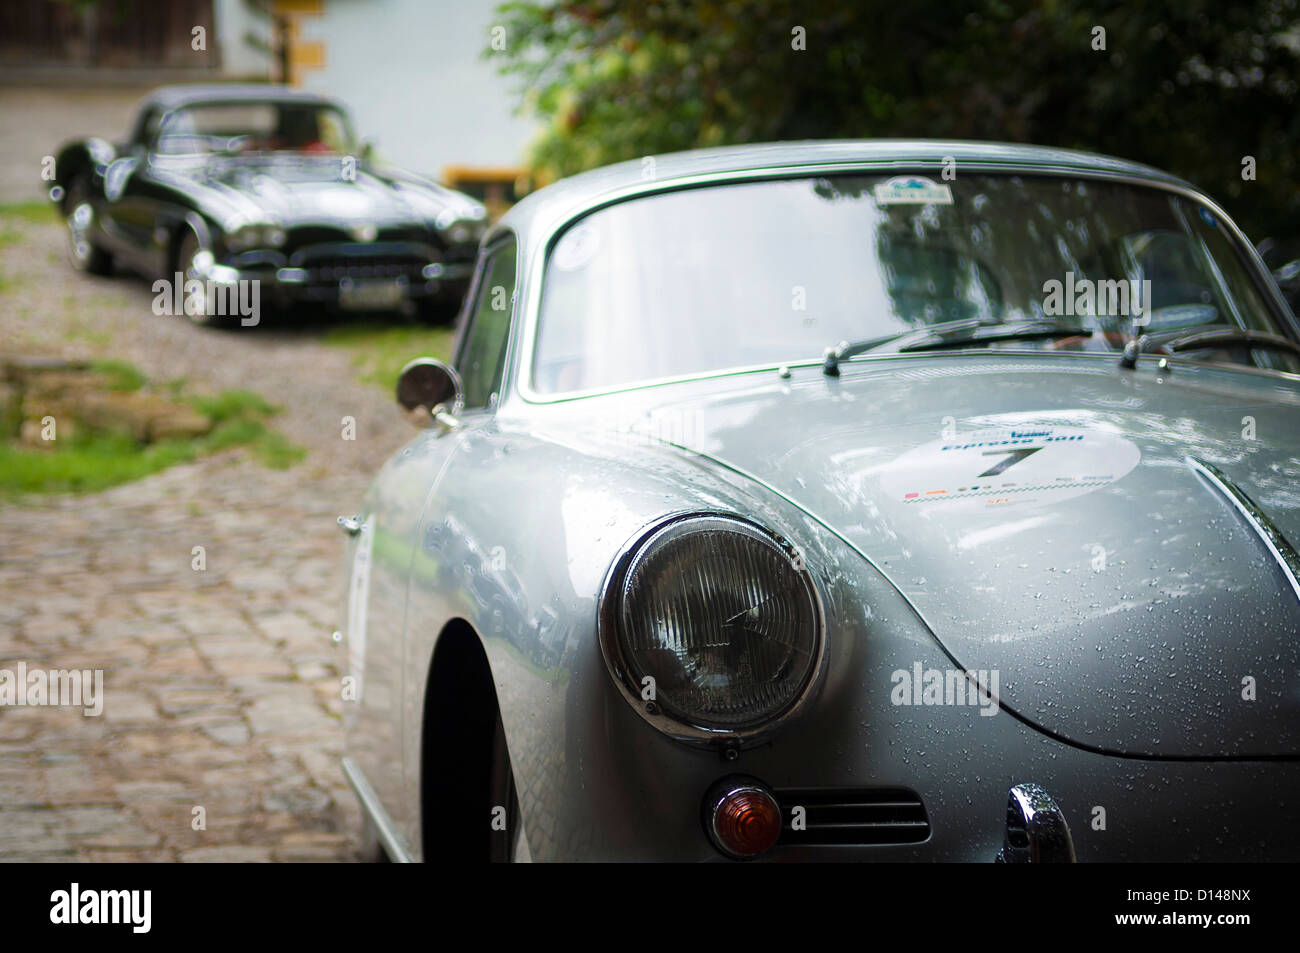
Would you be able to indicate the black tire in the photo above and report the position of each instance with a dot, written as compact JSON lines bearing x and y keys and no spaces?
{"x":470,"y":811}
{"x":186,"y":249}
{"x":439,"y":310}
{"x":79,"y":217}
{"x":510,"y":845}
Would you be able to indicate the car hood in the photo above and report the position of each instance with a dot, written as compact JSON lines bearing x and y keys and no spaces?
{"x":1045,"y":518}
{"x":319,"y":190}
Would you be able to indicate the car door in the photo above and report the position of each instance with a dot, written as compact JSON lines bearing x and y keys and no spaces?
{"x":480,"y":361}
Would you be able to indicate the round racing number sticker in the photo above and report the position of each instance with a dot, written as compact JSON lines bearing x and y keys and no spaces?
{"x":1013,"y":466}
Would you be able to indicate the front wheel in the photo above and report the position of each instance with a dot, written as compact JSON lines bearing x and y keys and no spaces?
{"x":79,"y":216}
{"x":438,"y":310}
{"x":199,"y":307}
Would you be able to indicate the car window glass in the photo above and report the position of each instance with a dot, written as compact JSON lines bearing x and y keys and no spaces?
{"x":482,"y":356}
{"x":254,"y":127}
{"x":216,"y":128}
{"x":333,"y":132}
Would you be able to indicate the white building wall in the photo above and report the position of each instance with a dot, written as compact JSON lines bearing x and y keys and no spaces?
{"x":233,"y":20}
{"x":411,"y":72}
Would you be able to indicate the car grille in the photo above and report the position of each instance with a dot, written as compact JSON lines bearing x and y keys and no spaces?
{"x":331,"y":263}
{"x":339,"y":268}
{"x":461,"y":254}
{"x":854,"y":816}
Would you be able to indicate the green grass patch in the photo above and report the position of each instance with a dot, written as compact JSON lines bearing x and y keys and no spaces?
{"x":238,"y":418}
{"x":380,"y":353}
{"x":120,"y":375}
{"x":233,"y":405}
{"x":35,"y":212}
{"x":88,"y":462}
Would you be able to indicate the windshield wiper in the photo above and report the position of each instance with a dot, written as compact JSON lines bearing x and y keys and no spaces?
{"x":1206,"y":338}
{"x":948,"y":334}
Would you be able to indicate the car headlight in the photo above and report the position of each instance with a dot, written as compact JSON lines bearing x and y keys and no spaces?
{"x":255,"y":236}
{"x":460,"y":226}
{"x":712,"y":627}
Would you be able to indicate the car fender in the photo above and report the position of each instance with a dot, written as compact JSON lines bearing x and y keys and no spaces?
{"x":87,"y":156}
{"x":518,"y":542}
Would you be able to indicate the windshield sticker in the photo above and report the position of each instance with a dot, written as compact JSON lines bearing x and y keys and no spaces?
{"x":576,"y":248}
{"x":912,"y":190}
{"x":1014,"y":466}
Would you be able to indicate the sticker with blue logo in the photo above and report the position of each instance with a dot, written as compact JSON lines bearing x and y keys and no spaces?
{"x":912,"y":190}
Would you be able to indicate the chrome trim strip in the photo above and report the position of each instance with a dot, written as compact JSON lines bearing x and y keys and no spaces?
{"x":865,"y":361}
{"x":1283,"y":552}
{"x":519,"y":360}
{"x":392,"y":841}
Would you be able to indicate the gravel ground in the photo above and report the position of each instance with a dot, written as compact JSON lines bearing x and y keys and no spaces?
{"x":35,"y":122}
{"x":221,"y":686}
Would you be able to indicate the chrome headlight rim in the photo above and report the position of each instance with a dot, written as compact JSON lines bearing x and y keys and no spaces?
{"x":610,"y":608}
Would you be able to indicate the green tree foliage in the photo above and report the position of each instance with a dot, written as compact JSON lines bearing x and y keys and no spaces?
{"x":1192,"y":86}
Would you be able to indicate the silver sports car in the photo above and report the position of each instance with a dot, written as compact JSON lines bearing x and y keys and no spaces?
{"x":845,"y":500}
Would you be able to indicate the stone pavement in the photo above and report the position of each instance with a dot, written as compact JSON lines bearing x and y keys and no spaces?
{"x":221,"y":685}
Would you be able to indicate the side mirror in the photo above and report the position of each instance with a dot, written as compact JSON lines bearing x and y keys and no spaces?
{"x":429,"y":390}
{"x":366,"y":151}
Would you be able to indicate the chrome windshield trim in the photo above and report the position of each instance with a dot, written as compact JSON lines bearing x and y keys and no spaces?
{"x":1282,"y":551}
{"x":865,"y":361}
{"x":520,"y":360}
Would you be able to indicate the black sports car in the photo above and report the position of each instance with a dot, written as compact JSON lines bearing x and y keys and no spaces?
{"x":227,"y":185}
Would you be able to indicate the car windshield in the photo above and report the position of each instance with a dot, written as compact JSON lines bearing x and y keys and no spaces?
{"x":776,"y":271}
{"x":255,"y":127}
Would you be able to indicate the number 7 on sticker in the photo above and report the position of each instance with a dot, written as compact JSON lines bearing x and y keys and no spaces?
{"x":1012,"y":458}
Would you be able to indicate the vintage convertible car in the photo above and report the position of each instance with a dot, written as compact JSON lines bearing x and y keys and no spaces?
{"x":848,"y":500}
{"x":240,"y":183}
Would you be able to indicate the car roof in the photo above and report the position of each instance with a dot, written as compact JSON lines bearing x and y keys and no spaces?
{"x":174,"y":97}
{"x":549,"y":208}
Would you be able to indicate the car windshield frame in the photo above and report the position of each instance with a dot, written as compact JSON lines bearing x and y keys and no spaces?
{"x":155,"y":136}
{"x":525,"y":342}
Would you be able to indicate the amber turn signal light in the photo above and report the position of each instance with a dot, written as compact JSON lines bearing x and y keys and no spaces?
{"x":742,"y":817}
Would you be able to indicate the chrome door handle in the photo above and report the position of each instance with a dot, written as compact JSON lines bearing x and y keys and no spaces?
{"x":350,"y":524}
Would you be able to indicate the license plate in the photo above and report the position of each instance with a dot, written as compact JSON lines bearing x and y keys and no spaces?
{"x":371,"y":295}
